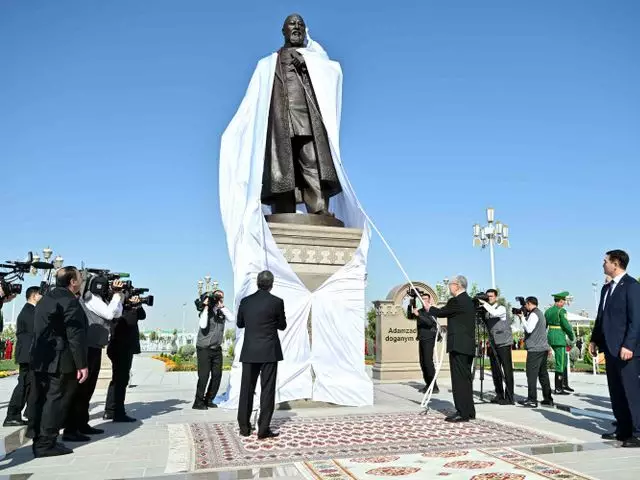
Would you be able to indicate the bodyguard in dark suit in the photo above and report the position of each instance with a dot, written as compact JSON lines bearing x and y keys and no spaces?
{"x":427,"y":327}
{"x":58,"y":360}
{"x":24,"y":335}
{"x":617,"y":334}
{"x":261,"y":315}
{"x":461,"y":341}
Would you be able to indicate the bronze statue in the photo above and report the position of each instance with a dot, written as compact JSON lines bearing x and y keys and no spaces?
{"x":298,"y":167}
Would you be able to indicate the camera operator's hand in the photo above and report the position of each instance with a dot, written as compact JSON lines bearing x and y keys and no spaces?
{"x":117,"y":285}
{"x":135,"y":301}
{"x":82,"y":375}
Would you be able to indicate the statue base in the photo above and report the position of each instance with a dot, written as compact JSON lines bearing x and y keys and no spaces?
{"x":305,"y":219}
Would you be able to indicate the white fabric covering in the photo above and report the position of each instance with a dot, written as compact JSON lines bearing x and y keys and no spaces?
{"x":338,"y":314}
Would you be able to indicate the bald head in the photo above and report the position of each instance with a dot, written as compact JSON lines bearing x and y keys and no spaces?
{"x":69,"y":278}
{"x":294,"y":31}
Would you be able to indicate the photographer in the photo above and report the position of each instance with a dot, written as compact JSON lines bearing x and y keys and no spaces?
{"x":4,"y":298}
{"x":24,"y":335}
{"x":460,"y":312}
{"x":501,"y":339}
{"x":213,"y":315}
{"x":535,"y":341}
{"x":124,"y":343}
{"x":100,"y":317}
{"x":427,"y":333}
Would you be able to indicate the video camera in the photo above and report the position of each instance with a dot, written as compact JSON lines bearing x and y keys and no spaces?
{"x":137,"y":292}
{"x":16,"y":271}
{"x":413,"y":296}
{"x":480,"y":297}
{"x":521,"y":310}
{"x":214,"y":297}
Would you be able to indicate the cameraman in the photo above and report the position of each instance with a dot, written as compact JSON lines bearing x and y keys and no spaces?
{"x":24,"y":335}
{"x":427,"y":333}
{"x":124,"y":343}
{"x":213,"y":315}
{"x":501,"y":339}
{"x":4,"y":299}
{"x":535,"y":341}
{"x":101,"y":316}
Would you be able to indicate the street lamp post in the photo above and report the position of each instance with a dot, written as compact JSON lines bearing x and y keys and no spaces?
{"x":595,"y":298}
{"x":494,"y":232}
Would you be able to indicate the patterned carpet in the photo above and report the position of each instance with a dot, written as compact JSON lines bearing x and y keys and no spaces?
{"x":482,"y":464}
{"x":203,"y":446}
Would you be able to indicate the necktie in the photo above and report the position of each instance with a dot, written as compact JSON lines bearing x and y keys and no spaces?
{"x":608,"y":294}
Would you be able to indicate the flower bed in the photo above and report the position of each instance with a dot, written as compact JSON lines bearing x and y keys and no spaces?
{"x":177,"y":363}
{"x":8,"y":373}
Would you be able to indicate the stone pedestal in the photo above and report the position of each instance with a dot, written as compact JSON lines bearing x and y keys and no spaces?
{"x":315,"y":253}
{"x":397,"y":356}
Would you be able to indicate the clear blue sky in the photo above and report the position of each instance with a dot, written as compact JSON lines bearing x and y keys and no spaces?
{"x":111,"y":115}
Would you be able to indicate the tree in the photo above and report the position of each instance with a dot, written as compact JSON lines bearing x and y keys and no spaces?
{"x":371,"y":324}
{"x":153,"y":336}
{"x":142,"y":336}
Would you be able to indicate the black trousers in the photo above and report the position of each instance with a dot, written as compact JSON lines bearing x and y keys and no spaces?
{"x":250,"y":373}
{"x":121,"y":360}
{"x":50,"y":399}
{"x":209,"y":371}
{"x":462,"y":383}
{"x":537,"y":371}
{"x":78,"y":416}
{"x":425,"y":349}
{"x":20,"y":393}
{"x":624,"y":390}
{"x":502,"y":371}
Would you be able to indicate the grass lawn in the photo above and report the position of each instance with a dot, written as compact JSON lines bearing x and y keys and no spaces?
{"x":6,"y":367}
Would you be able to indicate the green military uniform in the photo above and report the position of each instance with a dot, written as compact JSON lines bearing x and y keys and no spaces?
{"x":558,"y":329}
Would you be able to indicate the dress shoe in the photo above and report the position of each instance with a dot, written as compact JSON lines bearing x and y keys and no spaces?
{"x":199,"y":406}
{"x":457,"y":419}
{"x":568,"y":388}
{"x":108,"y":416}
{"x":57,"y":450}
{"x":89,"y":430}
{"x":436,"y":390}
{"x":267,"y":434}
{"x":496,"y":400}
{"x":528,"y":403}
{"x":453,"y":415}
{"x":75,"y":437}
{"x":124,"y":418}
{"x":547,"y":403}
{"x":633,"y":442}
{"x":614,"y":436}
{"x":423,"y":390}
{"x":558,"y":391}
{"x":14,"y":422}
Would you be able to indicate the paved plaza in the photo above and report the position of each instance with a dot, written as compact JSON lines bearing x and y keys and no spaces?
{"x":391,"y":438}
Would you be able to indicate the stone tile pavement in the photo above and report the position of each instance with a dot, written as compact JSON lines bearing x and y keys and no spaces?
{"x":159,"y":398}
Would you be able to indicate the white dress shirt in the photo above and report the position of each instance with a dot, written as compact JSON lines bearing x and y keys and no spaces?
{"x":100,"y":308}
{"x":530,"y":322}
{"x":496,"y":311}
{"x":204,"y":316}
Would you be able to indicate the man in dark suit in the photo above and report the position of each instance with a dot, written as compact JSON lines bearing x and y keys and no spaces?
{"x":261,"y":315}
{"x":123,"y":344}
{"x":58,"y":360}
{"x":427,"y":327}
{"x":24,"y":335}
{"x":461,"y":340}
{"x":617,"y":334}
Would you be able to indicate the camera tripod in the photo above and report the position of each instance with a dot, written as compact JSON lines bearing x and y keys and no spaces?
{"x":481,"y":333}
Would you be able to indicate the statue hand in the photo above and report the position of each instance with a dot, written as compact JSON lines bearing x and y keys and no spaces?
{"x":298,"y":61}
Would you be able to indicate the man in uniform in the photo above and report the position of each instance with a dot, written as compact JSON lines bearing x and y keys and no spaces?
{"x":558,"y":329}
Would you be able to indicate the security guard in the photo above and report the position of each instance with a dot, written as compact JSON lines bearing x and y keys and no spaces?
{"x":558,"y":329}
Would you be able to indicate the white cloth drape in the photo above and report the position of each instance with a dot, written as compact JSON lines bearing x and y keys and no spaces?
{"x":337,"y":306}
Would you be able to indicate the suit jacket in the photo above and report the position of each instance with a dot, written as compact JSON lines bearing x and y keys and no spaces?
{"x":618,"y":323}
{"x":60,"y":343}
{"x":461,"y":323}
{"x":261,"y":315}
{"x":125,"y":334}
{"x":24,"y":333}
{"x":427,"y":325}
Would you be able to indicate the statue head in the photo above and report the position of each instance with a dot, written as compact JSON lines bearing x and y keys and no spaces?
{"x":294,"y":31}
